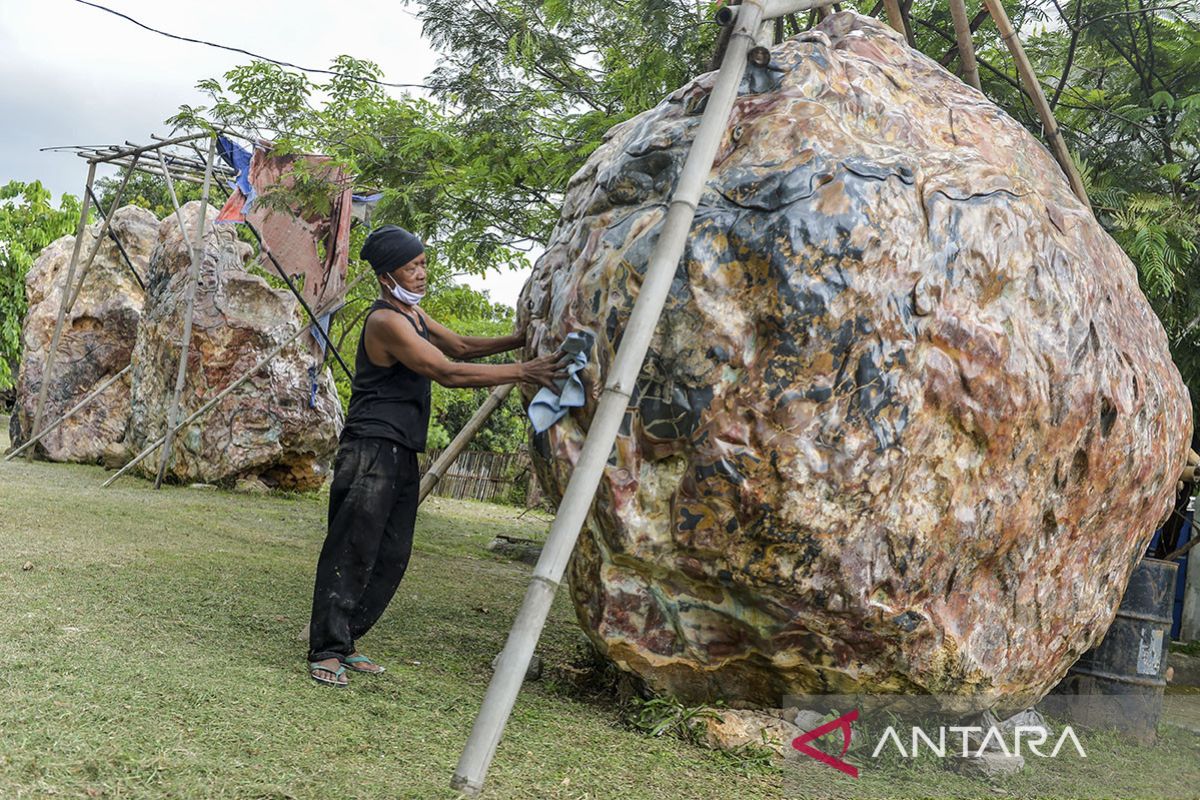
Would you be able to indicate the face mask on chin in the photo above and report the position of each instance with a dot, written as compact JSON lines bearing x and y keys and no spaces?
{"x":403,"y":295}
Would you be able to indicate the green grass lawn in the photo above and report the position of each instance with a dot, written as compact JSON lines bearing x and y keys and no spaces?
{"x":152,"y":651}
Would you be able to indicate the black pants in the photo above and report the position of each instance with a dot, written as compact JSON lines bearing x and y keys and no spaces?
{"x":372,"y":508}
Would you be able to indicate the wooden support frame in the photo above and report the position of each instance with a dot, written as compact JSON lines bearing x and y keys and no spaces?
{"x":90,"y":397}
{"x":172,"y":167}
{"x":139,"y":149}
{"x":48,"y":365}
{"x":439,"y":468}
{"x":197,"y":248}
{"x":71,"y":288}
{"x":210,"y":403}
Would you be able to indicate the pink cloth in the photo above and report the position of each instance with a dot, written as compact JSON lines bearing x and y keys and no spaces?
{"x":232,"y":210}
{"x":307,"y":242}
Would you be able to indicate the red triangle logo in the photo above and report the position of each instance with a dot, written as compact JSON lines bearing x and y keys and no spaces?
{"x":843,"y":722}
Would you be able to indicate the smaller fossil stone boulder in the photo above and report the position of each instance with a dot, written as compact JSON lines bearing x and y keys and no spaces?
{"x":733,"y":729}
{"x":273,"y":427}
{"x":96,"y":341}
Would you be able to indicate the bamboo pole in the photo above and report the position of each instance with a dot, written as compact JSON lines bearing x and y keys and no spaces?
{"x":471,"y":772}
{"x":91,"y":396}
{"x":906,"y":17}
{"x":120,"y":247}
{"x":144,"y":148}
{"x":105,"y":229}
{"x":74,"y":287}
{"x":1053,"y":135}
{"x":189,"y":312}
{"x":154,"y":445}
{"x":966,"y":49}
{"x":722,"y":42}
{"x":48,"y":365}
{"x":895,"y":18}
{"x":446,"y":460}
{"x":208,"y":405}
{"x":1182,"y":551}
{"x":151,"y":169}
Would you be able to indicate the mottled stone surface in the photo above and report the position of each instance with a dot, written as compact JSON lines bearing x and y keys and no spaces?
{"x":96,"y":341}
{"x":265,"y":429}
{"x":735,"y":729}
{"x":907,"y":420}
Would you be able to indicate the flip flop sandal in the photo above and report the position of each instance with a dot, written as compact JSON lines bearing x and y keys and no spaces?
{"x":317,"y":666}
{"x":350,"y":661}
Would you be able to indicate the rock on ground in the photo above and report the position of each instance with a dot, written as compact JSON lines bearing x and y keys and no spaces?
{"x":907,"y":421}
{"x":265,"y":429}
{"x":733,"y":729}
{"x":97,"y":338}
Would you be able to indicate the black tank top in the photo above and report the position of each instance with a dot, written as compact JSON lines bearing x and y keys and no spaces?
{"x":388,"y":402}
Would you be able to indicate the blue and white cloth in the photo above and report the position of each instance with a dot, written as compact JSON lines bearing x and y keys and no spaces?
{"x":548,"y":406}
{"x":237,"y":157}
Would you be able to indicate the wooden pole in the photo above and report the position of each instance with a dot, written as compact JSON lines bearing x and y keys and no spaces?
{"x":1053,"y":135}
{"x":105,"y":227}
{"x":895,"y":18}
{"x":120,"y":247}
{"x":154,"y":445}
{"x":501,"y":695}
{"x":446,"y":460}
{"x":906,"y":17}
{"x":142,"y":149}
{"x":966,"y":49}
{"x":48,"y":365}
{"x":91,"y":396}
{"x":193,"y":280}
{"x":208,"y":405}
{"x":1182,"y":551}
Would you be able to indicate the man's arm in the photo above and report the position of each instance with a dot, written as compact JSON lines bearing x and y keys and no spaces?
{"x":400,"y":342}
{"x":468,"y":347}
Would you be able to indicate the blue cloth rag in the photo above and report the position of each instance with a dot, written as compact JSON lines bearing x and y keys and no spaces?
{"x":316,"y":335}
{"x":237,"y":157}
{"x":548,"y":406}
{"x":362,"y":206}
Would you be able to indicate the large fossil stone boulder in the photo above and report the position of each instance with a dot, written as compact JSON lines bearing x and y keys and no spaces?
{"x":267,"y":428}
{"x":907,"y":421}
{"x":96,"y":340}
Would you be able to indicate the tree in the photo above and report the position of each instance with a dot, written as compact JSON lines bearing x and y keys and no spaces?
{"x":1124,"y":79}
{"x":429,"y":175}
{"x":526,"y":89}
{"x":28,"y":222}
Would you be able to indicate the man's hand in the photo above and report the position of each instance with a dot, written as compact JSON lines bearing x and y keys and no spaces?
{"x":545,"y":370}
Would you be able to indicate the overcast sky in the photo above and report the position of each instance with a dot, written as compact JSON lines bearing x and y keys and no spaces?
{"x":72,"y":74}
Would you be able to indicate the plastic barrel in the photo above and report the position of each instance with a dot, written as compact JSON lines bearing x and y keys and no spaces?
{"x":1119,"y":683}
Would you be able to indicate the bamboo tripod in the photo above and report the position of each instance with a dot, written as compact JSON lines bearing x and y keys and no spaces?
{"x":747,"y":25}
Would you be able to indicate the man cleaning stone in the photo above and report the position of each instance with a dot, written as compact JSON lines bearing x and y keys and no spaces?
{"x":373,"y":498}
